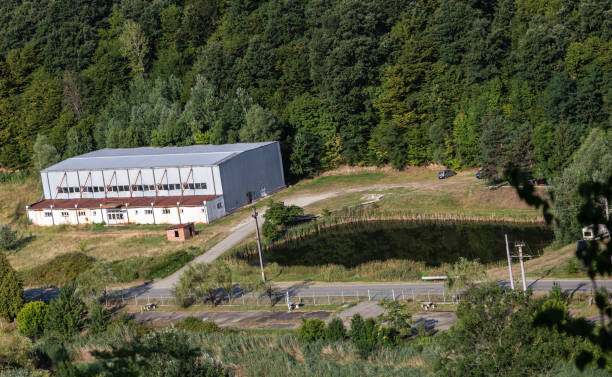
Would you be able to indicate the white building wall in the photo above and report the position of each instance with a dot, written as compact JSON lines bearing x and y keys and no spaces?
{"x":134,"y":215}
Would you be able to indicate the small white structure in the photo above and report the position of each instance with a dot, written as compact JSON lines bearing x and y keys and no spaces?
{"x":589,"y":233}
{"x":172,"y":185}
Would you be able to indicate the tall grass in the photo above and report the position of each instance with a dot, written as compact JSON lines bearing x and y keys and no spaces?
{"x":15,"y":177}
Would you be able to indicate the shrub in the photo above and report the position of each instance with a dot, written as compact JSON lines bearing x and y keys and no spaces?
{"x":270,"y":231}
{"x":157,"y":267}
{"x":99,"y":318}
{"x":59,"y":271}
{"x":31,"y":319}
{"x":16,"y":351}
{"x":311,"y":329}
{"x":66,"y":314}
{"x":194,"y":324}
{"x":166,"y":264}
{"x":11,"y":290}
{"x":167,"y":353}
{"x":335,"y":330}
{"x":9,"y":238}
{"x":366,"y":335}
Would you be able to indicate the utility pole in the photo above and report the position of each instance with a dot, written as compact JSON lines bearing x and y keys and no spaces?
{"x":520,"y":246}
{"x":263,"y":275}
{"x":509,"y":263}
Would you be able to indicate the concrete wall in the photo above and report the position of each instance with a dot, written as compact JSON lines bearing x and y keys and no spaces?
{"x":257,"y":172}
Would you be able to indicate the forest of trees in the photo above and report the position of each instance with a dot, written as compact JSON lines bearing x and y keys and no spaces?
{"x":463,"y":83}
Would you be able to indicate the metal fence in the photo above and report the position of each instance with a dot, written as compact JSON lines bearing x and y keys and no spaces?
{"x":310,"y":296}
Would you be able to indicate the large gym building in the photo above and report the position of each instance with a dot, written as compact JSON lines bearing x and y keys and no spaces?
{"x":150,"y":185}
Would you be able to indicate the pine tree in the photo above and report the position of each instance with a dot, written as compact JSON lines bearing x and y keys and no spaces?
{"x":11,"y":290}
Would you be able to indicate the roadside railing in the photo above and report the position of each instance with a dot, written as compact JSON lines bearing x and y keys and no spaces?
{"x":310,"y":296}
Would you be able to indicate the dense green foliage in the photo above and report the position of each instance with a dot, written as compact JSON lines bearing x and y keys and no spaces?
{"x":335,"y":331}
{"x":11,"y":290}
{"x":168,"y":353}
{"x":591,"y":164}
{"x":495,"y":335}
{"x":9,"y":238}
{"x":311,"y":329}
{"x":194,"y":324}
{"x":277,"y":217}
{"x":99,"y":318}
{"x":31,"y":319}
{"x":156,"y":267}
{"x":58,"y":271}
{"x":66,"y":315}
{"x":458,"y":82}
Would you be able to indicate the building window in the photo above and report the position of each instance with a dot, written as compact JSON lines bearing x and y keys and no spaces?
{"x":203,"y":210}
{"x":191,"y":186}
{"x":48,"y":214}
{"x":94,"y":213}
{"x":200,"y":186}
{"x":64,"y":213}
{"x":81,"y":213}
{"x":95,"y":188}
{"x":136,"y":212}
{"x":148,"y":211}
{"x":220,"y":205}
{"x":165,"y":211}
{"x":165,"y":187}
{"x":181,"y":210}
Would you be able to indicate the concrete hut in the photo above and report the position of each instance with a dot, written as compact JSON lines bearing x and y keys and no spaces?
{"x":180,"y":232}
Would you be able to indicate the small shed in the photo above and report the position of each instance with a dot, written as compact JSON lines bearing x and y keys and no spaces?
{"x":180,"y":232}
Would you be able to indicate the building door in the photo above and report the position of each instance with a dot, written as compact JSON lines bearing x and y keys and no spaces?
{"x":115,"y":216}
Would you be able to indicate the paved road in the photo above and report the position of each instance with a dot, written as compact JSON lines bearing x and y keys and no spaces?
{"x":379,"y":291}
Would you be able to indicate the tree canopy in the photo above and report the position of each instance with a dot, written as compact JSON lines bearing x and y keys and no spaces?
{"x":459,"y":82}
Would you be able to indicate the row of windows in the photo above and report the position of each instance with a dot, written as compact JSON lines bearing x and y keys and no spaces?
{"x":126,"y":188}
{"x":165,"y":211}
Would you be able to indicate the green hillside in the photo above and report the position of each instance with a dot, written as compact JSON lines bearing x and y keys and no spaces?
{"x":462,"y":83}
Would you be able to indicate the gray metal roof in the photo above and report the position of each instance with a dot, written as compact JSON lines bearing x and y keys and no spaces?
{"x":146,"y":157}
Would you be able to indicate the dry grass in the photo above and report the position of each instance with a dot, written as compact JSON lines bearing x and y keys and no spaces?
{"x":416,"y":189}
{"x":551,"y":264}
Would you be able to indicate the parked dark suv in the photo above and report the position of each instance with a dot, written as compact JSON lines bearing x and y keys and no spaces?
{"x":483,"y":173}
{"x":447,"y":173}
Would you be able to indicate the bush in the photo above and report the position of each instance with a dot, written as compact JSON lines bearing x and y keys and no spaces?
{"x":166,"y":264}
{"x":99,"y":318}
{"x":366,"y":335}
{"x":60,"y":270}
{"x":66,"y":314}
{"x":194,"y":324}
{"x":167,"y":353}
{"x":311,"y":329}
{"x":9,"y":238}
{"x":270,"y":231}
{"x":11,"y":290}
{"x":16,"y":351}
{"x":157,"y":267}
{"x":31,"y":319}
{"x":335,"y":330}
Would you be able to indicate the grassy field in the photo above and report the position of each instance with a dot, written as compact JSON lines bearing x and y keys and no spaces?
{"x":415,"y":190}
